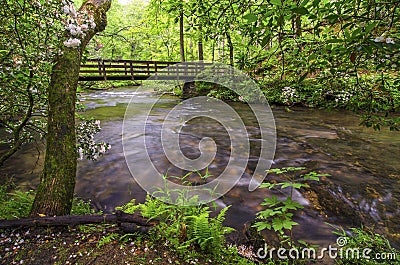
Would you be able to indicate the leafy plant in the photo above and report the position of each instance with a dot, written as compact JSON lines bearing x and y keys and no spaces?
{"x":107,"y":239}
{"x":183,"y":227}
{"x":207,"y":232}
{"x":381,"y":252}
{"x":183,"y":223}
{"x":278,"y":214}
{"x":81,"y":207}
{"x":16,"y":204}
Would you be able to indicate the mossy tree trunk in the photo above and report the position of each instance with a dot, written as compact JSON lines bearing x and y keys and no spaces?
{"x":56,"y":190}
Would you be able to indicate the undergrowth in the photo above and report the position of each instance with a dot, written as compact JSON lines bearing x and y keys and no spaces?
{"x":16,"y":204}
{"x":188,"y":230}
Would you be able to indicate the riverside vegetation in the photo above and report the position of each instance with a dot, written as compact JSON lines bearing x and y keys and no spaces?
{"x":182,"y":235}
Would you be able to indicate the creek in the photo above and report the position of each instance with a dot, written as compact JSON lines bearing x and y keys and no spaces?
{"x":363,"y":164}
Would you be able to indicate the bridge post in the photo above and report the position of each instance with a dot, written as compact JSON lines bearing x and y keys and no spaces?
{"x":104,"y":71}
{"x":189,"y":90}
{"x":131,"y":70}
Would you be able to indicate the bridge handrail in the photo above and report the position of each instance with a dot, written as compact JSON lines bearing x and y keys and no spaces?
{"x":135,"y":69}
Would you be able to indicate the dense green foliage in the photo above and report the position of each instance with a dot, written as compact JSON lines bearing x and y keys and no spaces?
{"x":29,"y":41}
{"x":321,"y":53}
{"x":31,"y":38}
{"x":188,"y":230}
{"x":381,"y":252}
{"x":17,"y":204}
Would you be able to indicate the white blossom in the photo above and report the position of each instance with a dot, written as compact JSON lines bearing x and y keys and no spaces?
{"x":389,"y":40}
{"x":288,"y":94}
{"x":379,"y":39}
{"x":70,"y":26}
{"x":79,"y":30}
{"x":72,"y":11}
{"x":72,"y":42}
{"x":73,"y":32}
{"x":65,"y":9}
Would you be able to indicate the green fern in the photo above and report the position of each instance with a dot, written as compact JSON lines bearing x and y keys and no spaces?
{"x":184,"y":226}
{"x":207,"y":232}
{"x":107,"y":239}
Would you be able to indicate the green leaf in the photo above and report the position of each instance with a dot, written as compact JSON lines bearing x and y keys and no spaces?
{"x":271,"y":201}
{"x":347,"y":34}
{"x":302,"y":77}
{"x":316,"y":3}
{"x":332,"y":18}
{"x":334,"y":41}
{"x":300,"y":10}
{"x":277,"y":224}
{"x":305,"y":2}
{"x":355,"y":33}
{"x":289,"y":204}
{"x":314,"y":176}
{"x":312,"y":16}
{"x":250,"y":18}
{"x":367,"y":48}
{"x":276,"y":2}
{"x":265,"y":40}
{"x":262,"y":226}
{"x":268,"y":213}
{"x":267,"y":185}
{"x":288,"y":224}
{"x":371,"y":26}
{"x":294,"y":185}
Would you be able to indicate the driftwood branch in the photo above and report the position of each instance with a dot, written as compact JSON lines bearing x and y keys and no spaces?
{"x":74,"y":220}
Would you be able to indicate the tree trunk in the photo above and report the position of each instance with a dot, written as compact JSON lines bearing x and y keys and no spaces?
{"x":230,"y":45}
{"x":200,"y":44}
{"x":55,"y":192}
{"x":181,"y":37}
{"x":298,"y":26}
{"x":74,"y":220}
{"x":213,"y":51}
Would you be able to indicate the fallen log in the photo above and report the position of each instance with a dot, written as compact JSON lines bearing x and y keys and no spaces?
{"x":74,"y":220}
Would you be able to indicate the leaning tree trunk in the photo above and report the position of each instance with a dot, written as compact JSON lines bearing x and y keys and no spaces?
{"x":55,"y":193}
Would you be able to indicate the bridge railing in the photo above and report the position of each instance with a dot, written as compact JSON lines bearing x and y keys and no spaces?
{"x":96,"y":70}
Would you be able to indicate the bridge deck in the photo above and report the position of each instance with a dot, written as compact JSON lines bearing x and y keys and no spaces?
{"x":101,"y":70}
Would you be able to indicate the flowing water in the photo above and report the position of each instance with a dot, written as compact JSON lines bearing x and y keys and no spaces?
{"x":363,"y":164}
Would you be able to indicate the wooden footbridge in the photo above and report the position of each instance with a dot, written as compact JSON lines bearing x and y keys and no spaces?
{"x":102,"y":70}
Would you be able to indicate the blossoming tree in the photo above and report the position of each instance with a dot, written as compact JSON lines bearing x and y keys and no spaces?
{"x":55,"y":193}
